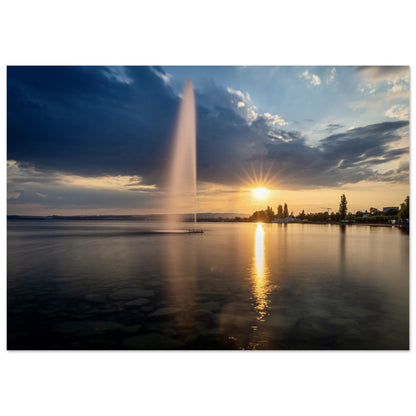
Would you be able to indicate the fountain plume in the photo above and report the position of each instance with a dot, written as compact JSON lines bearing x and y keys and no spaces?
{"x":182,"y":189}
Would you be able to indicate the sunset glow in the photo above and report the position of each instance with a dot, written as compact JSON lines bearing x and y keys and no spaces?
{"x":260,"y":193}
{"x":283,"y":150}
{"x":210,"y":201}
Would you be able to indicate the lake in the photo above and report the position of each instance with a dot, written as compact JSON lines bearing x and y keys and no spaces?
{"x":124,"y":285}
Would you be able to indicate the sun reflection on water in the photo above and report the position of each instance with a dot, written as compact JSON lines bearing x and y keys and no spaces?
{"x":260,"y":274}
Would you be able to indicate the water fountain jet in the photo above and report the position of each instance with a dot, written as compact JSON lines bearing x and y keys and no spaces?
{"x":182,"y":186}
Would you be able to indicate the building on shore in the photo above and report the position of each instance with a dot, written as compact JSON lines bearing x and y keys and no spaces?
{"x":385,"y":209}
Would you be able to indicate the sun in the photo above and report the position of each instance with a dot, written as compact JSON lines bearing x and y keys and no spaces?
{"x":260,"y":193}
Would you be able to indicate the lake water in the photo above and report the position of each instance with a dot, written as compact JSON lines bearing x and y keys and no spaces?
{"x":117,"y":285}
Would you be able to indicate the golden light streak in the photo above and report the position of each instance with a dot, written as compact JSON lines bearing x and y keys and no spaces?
{"x":261,"y":287}
{"x":259,"y":251}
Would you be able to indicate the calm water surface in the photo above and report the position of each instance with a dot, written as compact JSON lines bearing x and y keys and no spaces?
{"x":117,"y":285}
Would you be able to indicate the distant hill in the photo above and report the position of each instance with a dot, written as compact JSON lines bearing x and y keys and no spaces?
{"x":151,"y":217}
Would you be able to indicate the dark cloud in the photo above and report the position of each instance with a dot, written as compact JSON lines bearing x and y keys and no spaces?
{"x":363,"y":142}
{"x":89,"y":120}
{"x":382,"y":73}
{"x":68,"y":198}
{"x":347,"y":157}
{"x":119,"y":121}
{"x":331,"y":127}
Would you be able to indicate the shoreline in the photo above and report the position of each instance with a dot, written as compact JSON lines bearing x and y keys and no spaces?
{"x":208,"y":221}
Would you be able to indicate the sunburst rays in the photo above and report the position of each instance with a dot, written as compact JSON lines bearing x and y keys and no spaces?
{"x":259,"y":176}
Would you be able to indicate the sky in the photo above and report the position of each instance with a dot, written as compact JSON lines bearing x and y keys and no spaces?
{"x":97,"y":140}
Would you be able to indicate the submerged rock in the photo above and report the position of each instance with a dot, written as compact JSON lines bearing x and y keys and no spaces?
{"x":205,"y":318}
{"x":166,"y":311}
{"x":138,"y":302}
{"x":213,"y":306}
{"x":95,"y":298}
{"x":86,"y":328}
{"x":131,"y":329}
{"x":152,"y":341}
{"x":130,"y":294}
{"x":343,"y":323}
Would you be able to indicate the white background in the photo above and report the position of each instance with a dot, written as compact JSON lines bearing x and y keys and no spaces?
{"x":214,"y":32}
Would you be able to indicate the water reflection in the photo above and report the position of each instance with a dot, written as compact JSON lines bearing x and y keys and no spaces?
{"x":303,"y":286}
{"x":181,"y":272}
{"x":259,"y":251}
{"x":342,"y":251}
{"x":260,"y":275}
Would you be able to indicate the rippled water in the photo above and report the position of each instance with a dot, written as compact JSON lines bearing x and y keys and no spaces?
{"x":118,"y":285}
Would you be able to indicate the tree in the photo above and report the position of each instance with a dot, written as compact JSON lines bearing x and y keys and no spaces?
{"x":266,"y":215}
{"x":391,"y":211}
{"x":404,"y":209}
{"x":258,"y":216}
{"x":279,"y":211}
{"x":285,"y":211}
{"x":335,"y":216}
{"x":343,"y":207}
{"x":269,"y":214}
{"x":374,"y":212}
{"x":302,"y":215}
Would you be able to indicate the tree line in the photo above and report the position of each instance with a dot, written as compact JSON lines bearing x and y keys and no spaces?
{"x":371,"y":215}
